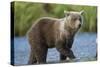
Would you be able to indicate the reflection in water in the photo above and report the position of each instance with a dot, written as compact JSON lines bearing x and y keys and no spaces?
{"x":84,"y":48}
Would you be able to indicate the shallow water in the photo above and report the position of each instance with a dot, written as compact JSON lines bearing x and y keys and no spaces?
{"x":84,"y":48}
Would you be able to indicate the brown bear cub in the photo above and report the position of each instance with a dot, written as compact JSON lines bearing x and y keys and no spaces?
{"x":49,"y":32}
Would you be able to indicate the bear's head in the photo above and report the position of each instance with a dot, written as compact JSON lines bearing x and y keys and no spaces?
{"x":73,"y":20}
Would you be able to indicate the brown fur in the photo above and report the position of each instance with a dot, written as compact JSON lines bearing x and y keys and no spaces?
{"x":48,"y":33}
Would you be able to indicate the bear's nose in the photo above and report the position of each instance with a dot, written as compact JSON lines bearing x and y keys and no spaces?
{"x":80,"y":25}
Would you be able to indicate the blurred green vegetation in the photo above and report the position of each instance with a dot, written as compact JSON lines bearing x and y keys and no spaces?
{"x":25,"y":13}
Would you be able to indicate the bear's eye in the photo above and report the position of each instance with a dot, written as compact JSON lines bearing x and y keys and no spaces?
{"x":74,"y":19}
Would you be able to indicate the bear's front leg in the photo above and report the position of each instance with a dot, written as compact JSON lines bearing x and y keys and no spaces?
{"x":62,"y":57}
{"x":64,"y":51}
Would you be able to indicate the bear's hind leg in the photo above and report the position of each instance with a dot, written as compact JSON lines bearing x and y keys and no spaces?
{"x":32,"y":58}
{"x":41,"y":54}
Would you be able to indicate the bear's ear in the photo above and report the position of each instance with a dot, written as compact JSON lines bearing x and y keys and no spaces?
{"x":81,"y":12}
{"x":66,"y":13}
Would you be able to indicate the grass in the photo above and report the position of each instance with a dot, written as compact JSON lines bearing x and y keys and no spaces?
{"x":25,"y":13}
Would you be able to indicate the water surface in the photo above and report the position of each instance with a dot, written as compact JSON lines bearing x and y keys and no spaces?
{"x":84,"y":48}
